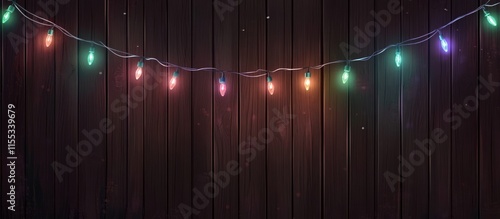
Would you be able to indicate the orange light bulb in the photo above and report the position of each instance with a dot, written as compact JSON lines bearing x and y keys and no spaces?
{"x":173,"y":81}
{"x":270,"y":86}
{"x":307,"y":81}
{"x":49,"y":38}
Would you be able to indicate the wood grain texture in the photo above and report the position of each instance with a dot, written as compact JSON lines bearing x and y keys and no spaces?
{"x":307,"y":126}
{"x":464,"y":153}
{"x":361,"y":115}
{"x":279,"y":150}
{"x":415,"y":121}
{"x":489,"y":166}
{"x":66,"y":111}
{"x":440,"y":76}
{"x":117,"y":142}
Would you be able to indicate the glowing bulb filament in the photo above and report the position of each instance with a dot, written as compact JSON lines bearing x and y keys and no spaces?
{"x":270,"y":86}
{"x":138,"y":72}
{"x":50,"y":36}
{"x":490,"y":18}
{"x":173,"y":81}
{"x":91,"y":57}
{"x":345,"y":76}
{"x":398,"y":58}
{"x":444,"y":43}
{"x":222,"y":85}
{"x":6,"y":15}
{"x":307,"y":81}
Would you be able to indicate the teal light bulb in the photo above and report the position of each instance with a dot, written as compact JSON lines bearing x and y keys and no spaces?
{"x":345,"y":76}
{"x":91,"y":57}
{"x":398,"y":58}
{"x":6,"y":15}
{"x":490,"y":18}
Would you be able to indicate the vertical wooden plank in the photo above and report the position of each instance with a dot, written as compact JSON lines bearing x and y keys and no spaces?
{"x":279,"y":151}
{"x":202,"y":106}
{"x":414,"y":162}
{"x":362,"y":114}
{"x":388,"y":122}
{"x":335,"y":111}
{"x":464,"y":154}
{"x":136,"y":95}
{"x":226,"y":118}
{"x":252,"y":55}
{"x":116,"y":174}
{"x":14,"y":58}
{"x":92,"y":110}
{"x":40,"y":115}
{"x":66,"y":120}
{"x":179,"y":108}
{"x":307,"y":126}
{"x":155,"y":108}
{"x":440,"y":102}
{"x":489,"y":130}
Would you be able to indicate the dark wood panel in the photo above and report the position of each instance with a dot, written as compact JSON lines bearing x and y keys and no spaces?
{"x":440,"y":102}
{"x":40,"y":115}
{"x":155,"y":111}
{"x":464,"y":153}
{"x":66,"y":111}
{"x":92,"y":110}
{"x":388,"y":110}
{"x":252,"y":94}
{"x":307,"y":126}
{"x":14,"y":74}
{"x":361,"y":114}
{"x":415,"y":122}
{"x":279,"y":150}
{"x":226,"y":119}
{"x":179,"y":108}
{"x":202,"y":105}
{"x":489,"y":172}
{"x":135,"y":103}
{"x":117,"y":142}
{"x":335,"y":112}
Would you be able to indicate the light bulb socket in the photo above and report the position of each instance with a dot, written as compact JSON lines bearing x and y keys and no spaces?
{"x":269,"y":78}
{"x":51,"y":31}
{"x":222,"y":80}
{"x":11,"y":8}
{"x":140,"y":64}
{"x":176,"y":73}
{"x":308,"y":74}
{"x":92,"y":50}
{"x":347,"y":68}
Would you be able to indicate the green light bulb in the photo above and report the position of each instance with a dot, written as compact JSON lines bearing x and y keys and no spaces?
{"x":490,"y":18}
{"x":6,"y":15}
{"x":90,"y":58}
{"x":398,"y":58}
{"x":345,"y":76}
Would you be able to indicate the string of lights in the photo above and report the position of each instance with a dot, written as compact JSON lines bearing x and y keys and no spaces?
{"x":251,"y":74}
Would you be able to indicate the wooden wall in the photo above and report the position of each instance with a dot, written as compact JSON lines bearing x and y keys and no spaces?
{"x":330,"y":159}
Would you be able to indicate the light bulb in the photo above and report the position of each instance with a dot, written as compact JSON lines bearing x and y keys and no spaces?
{"x":444,"y":43}
{"x":345,"y":76}
{"x":50,"y":36}
{"x":490,"y":18}
{"x":270,"y":86}
{"x":173,"y":81}
{"x":91,"y":57}
{"x":222,"y":85}
{"x":6,"y":15}
{"x":398,"y":58}
{"x":138,"y":72}
{"x":307,"y":81}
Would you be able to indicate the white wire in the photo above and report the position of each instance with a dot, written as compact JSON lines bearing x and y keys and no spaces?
{"x":250,"y":74}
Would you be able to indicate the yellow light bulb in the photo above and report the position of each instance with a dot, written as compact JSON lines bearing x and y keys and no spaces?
{"x":307,"y":81}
